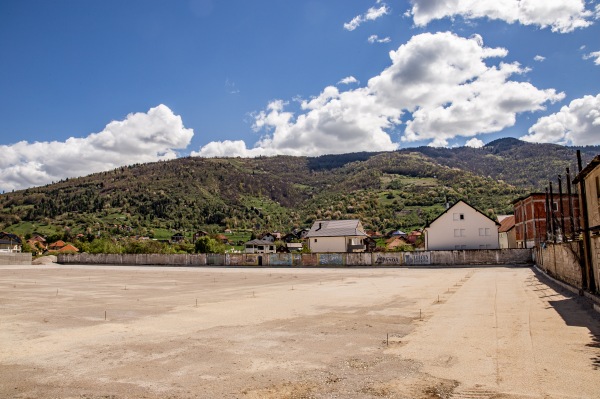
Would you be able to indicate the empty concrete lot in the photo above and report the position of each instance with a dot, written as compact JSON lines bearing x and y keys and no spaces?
{"x":149,"y":332}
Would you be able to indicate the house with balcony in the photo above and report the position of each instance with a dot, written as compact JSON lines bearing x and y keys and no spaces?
{"x":260,"y":247}
{"x":461,"y":226}
{"x":337,"y":236}
{"x":10,"y":242}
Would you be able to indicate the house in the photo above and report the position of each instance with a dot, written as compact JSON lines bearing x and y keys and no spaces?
{"x":177,"y":238}
{"x":260,"y":247}
{"x":461,"y":227}
{"x":337,"y":236}
{"x":507,"y":233}
{"x":10,"y":242}
{"x":534,"y":225}
{"x":588,"y":181}
{"x":294,"y":246}
{"x":398,"y":233}
{"x":68,"y":248}
{"x":270,"y":237}
{"x":391,"y":244}
{"x":61,"y":246}
{"x":199,"y":234}
{"x":55,"y":246}
{"x":414,"y":236}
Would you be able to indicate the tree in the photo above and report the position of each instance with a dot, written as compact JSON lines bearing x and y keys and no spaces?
{"x":208,"y":245}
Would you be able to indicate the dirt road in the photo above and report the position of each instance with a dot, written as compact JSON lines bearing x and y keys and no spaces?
{"x":133,"y":332}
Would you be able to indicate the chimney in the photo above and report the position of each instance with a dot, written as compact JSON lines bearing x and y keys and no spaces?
{"x":319,"y":228}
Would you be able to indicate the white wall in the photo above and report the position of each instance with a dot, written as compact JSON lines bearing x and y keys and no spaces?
{"x":472,"y":230}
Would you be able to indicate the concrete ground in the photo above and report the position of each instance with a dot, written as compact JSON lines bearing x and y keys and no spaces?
{"x":149,"y":332}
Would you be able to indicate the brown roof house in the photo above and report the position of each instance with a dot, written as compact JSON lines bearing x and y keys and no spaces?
{"x":507,"y":235}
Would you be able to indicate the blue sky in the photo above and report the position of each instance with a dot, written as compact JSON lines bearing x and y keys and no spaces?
{"x":91,"y":85}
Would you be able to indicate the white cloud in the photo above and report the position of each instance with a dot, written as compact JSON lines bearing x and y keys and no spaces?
{"x":575,"y":124}
{"x":372,"y":14}
{"x":439,"y":84}
{"x":474,"y":143}
{"x":141,"y":137}
{"x":348,"y":80}
{"x":595,"y":55}
{"x":539,"y":58}
{"x":560,"y":15}
{"x":376,"y":39}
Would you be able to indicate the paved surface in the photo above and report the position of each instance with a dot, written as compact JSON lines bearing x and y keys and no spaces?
{"x":292,"y":333}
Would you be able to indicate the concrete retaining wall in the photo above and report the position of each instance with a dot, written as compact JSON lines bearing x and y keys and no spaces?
{"x":419,"y":258}
{"x":15,"y":258}
{"x":562,"y":261}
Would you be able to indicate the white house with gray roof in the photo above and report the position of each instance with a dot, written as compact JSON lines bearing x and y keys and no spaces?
{"x":337,"y":236}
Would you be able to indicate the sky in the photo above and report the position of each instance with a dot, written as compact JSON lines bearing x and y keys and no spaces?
{"x":88,"y":86}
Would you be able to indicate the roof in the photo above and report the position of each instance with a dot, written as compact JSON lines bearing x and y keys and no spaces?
{"x":259,"y":242}
{"x":10,"y":237}
{"x":68,"y":248}
{"x":586,"y":171}
{"x":469,"y":205}
{"x":57,"y":244}
{"x":336,"y":228}
{"x":506,"y":224}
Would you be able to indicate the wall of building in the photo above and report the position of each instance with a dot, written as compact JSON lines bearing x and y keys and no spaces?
{"x":450,"y":232}
{"x":531,"y":218}
{"x":562,"y":261}
{"x":596,"y":260}
{"x":592,"y":190}
{"x":15,"y":258}
{"x":327,"y":244}
{"x":377,"y":259}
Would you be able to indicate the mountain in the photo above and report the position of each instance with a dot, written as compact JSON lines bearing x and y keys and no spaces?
{"x":401,"y":189}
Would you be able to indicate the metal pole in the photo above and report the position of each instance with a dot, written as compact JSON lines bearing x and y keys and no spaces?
{"x":548,"y":211}
{"x":562,"y":213}
{"x":552,"y":225}
{"x":571,"y":218}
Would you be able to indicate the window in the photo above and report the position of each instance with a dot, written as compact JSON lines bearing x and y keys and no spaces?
{"x":484,"y":231}
{"x":459,"y":232}
{"x":315,"y":240}
{"x":458,"y":216}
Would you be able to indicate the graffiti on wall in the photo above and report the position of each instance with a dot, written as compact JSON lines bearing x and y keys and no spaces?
{"x":331,"y":259}
{"x":388,"y":259}
{"x":417,"y":258}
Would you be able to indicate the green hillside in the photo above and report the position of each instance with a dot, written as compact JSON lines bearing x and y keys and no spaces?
{"x":401,"y":189}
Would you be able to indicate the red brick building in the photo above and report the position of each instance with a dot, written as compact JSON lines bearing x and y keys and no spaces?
{"x":533,"y":225}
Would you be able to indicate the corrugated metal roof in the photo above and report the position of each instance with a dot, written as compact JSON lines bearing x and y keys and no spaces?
{"x":336,"y":228}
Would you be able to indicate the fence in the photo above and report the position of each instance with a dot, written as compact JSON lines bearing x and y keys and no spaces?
{"x":376,"y":259}
{"x":15,"y":258}
{"x":562,"y":261}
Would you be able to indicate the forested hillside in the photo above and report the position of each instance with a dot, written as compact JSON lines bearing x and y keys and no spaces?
{"x":401,"y":189}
